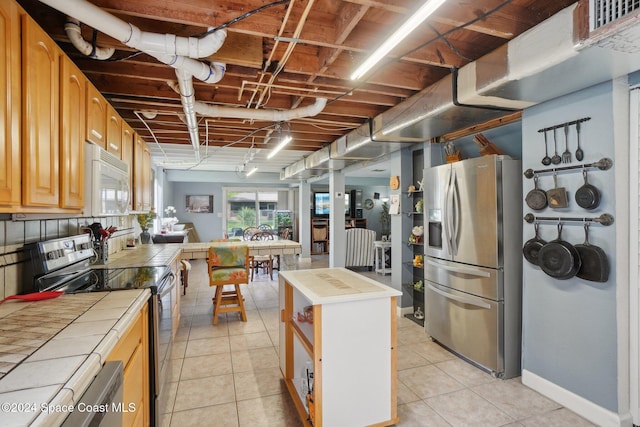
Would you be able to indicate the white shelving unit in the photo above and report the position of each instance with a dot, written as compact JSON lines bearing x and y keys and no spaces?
{"x":350,"y":345}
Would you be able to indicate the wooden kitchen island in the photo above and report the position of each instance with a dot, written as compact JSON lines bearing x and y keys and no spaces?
{"x":338,"y":335}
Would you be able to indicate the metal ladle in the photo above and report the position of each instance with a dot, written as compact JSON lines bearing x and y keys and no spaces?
{"x":556,"y":159}
{"x":546,"y":160}
{"x":579,"y":152}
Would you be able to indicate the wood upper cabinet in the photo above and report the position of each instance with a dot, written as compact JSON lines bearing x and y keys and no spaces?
{"x":40,"y":114}
{"x":128,"y":136}
{"x":96,"y":117}
{"x":72,"y":122}
{"x":141,"y":175}
{"x":114,"y":132}
{"x":10,"y":105}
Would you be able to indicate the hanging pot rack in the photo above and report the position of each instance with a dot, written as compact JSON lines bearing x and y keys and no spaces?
{"x":604,"y":219}
{"x":603,"y":164}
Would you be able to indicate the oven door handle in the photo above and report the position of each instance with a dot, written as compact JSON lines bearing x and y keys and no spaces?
{"x":156,"y":307}
{"x":171,"y":278}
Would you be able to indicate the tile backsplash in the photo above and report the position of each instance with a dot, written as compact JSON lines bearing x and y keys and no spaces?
{"x":15,"y":234}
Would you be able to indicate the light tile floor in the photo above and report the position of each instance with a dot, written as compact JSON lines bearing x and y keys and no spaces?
{"x":228,"y":374}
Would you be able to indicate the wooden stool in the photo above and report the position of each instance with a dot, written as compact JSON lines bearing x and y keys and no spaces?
{"x":228,"y":264}
{"x":228,"y":302}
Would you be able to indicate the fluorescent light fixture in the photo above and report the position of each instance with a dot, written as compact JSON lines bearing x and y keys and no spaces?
{"x":405,"y":29}
{"x":252,"y":171}
{"x":287,"y":139}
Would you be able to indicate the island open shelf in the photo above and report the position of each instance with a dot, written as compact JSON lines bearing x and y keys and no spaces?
{"x":338,"y":347}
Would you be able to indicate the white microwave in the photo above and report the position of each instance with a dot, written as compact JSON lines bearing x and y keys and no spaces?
{"x":107,"y":191}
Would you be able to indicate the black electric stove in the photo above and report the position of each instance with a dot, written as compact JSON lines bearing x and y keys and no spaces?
{"x":69,"y":265}
{"x":108,"y":279}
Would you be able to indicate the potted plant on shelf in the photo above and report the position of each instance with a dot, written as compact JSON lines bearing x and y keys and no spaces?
{"x":146,"y":221}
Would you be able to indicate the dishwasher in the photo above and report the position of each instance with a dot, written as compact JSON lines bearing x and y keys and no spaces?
{"x":101,"y":404}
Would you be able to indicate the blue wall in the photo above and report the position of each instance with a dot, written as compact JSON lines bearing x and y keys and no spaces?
{"x":569,"y":326}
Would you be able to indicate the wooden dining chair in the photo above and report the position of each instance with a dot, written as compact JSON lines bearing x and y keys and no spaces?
{"x":228,"y":264}
{"x":262,"y":261}
{"x":248,"y":232}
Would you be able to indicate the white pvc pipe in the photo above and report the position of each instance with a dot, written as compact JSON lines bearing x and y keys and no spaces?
{"x":266,"y":115}
{"x":169,"y":49}
{"x":185,"y":85}
{"x":132,"y":36}
{"x":208,"y":73}
{"x":178,"y":52}
{"x":72,"y":28}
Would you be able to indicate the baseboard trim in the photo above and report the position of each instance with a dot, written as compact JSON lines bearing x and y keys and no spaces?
{"x":581,"y":406}
{"x":405,"y":310}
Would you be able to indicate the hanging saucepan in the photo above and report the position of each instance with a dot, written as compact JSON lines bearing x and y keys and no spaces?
{"x":536,"y":199}
{"x":587,"y":196}
{"x":559,"y":259}
{"x":533,"y":246}
{"x":595,"y":265}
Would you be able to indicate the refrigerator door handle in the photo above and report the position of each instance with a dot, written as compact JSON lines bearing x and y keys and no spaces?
{"x":465,"y":300}
{"x":447,"y":212}
{"x":459,"y":269}
{"x":455,"y":214}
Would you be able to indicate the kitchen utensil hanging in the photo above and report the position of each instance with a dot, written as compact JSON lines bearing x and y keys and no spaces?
{"x":536,"y":199}
{"x":559,"y":259}
{"x":579,"y":152}
{"x":532,"y":247}
{"x":556,"y":159}
{"x":595,"y":265}
{"x":557,"y":197}
{"x":546,"y":160}
{"x":587,"y":196}
{"x":566,"y":155}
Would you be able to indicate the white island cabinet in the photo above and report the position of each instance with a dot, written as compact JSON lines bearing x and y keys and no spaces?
{"x":341,"y":327}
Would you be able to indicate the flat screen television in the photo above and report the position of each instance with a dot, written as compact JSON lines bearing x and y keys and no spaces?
{"x":322,"y":204}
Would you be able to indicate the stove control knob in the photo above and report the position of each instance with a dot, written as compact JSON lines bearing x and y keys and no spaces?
{"x":52,"y":255}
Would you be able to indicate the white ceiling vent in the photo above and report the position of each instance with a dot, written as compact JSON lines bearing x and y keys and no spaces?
{"x":614,"y":25}
{"x":603,"y":12}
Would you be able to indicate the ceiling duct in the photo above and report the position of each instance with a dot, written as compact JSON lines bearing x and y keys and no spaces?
{"x":534,"y":67}
{"x":319,"y":159}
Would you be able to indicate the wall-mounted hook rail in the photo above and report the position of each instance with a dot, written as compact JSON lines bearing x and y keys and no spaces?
{"x":603,"y":164}
{"x":561,"y":125}
{"x":604,"y":219}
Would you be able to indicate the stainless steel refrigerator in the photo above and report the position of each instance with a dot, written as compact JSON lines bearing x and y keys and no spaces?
{"x":473,"y":263}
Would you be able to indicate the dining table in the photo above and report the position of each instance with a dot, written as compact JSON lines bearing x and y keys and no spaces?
{"x":285,"y":248}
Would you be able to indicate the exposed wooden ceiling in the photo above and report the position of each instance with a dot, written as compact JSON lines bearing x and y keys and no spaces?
{"x":285,"y":56}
